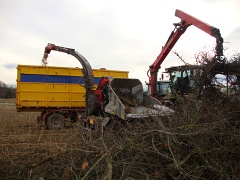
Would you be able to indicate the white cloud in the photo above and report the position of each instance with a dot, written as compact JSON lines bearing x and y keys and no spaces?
{"x":10,"y":66}
{"x":121,"y":35}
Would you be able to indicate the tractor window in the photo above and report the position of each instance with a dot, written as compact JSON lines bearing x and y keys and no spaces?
{"x":180,"y":81}
{"x":164,"y":88}
{"x":185,"y":73}
{"x":175,"y":75}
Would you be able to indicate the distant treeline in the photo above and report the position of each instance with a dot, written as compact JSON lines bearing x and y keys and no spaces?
{"x":7,"y":91}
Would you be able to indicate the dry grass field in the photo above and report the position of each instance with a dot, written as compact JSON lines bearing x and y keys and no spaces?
{"x":190,"y":145}
{"x":27,"y":149}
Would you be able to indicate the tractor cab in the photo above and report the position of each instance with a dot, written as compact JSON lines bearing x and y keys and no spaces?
{"x":182,"y":78}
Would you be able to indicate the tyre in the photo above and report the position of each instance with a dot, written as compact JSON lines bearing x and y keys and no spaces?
{"x":55,"y":121}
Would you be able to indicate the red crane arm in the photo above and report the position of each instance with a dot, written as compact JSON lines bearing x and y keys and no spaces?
{"x":180,"y":28}
{"x":211,"y":30}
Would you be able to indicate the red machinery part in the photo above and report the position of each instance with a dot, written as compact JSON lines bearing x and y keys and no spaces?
{"x":180,"y":28}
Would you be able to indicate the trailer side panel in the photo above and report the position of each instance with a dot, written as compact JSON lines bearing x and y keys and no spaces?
{"x":46,"y":87}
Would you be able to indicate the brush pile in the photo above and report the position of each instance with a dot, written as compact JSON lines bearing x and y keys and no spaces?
{"x":200,"y":141}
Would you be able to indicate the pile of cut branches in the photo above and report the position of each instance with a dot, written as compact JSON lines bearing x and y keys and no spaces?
{"x":200,"y":141}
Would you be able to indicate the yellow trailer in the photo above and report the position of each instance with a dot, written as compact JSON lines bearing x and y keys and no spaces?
{"x":41,"y":88}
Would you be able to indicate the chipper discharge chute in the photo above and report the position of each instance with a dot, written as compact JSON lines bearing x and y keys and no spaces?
{"x":128,"y":101}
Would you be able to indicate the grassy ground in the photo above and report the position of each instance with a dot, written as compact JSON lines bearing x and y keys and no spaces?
{"x":26,"y":147}
{"x":8,"y":101}
{"x":191,"y":145}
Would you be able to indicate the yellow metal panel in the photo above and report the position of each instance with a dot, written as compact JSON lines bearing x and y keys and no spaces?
{"x":32,"y":87}
{"x":116,"y":74}
{"x":54,"y":87}
{"x":55,"y":95}
{"x":52,"y":70}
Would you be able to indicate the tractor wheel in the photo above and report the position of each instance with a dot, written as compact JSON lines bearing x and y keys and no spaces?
{"x":55,"y":121}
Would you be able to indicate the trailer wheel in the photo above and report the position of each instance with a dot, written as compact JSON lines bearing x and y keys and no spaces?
{"x":55,"y":121}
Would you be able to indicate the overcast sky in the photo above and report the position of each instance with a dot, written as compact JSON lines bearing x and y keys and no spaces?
{"x":118,"y":35}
